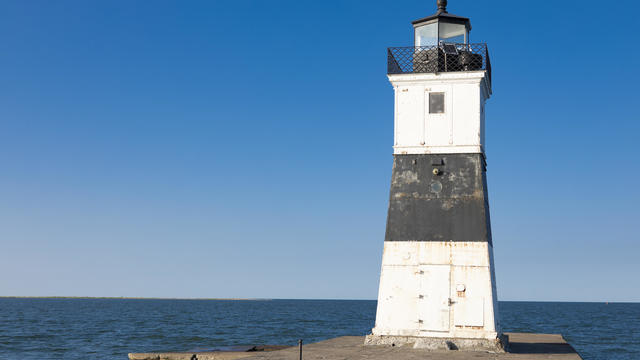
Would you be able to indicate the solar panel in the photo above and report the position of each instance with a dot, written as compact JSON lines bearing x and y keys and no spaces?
{"x":450,"y":49}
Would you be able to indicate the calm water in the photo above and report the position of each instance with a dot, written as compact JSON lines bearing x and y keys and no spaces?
{"x":110,"y":328}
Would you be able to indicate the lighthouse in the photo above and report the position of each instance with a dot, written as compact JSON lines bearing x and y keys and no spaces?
{"x":437,"y":282}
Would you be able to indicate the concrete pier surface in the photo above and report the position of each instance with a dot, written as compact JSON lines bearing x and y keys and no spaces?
{"x":522,"y":347}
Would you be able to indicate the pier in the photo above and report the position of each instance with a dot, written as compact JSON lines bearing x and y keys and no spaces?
{"x":521,"y":347}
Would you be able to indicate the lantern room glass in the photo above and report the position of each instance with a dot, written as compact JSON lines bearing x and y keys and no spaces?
{"x":440,"y":31}
{"x":453,"y":33}
{"x":427,"y":35}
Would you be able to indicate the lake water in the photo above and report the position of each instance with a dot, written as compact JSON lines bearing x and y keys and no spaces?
{"x":110,"y":328}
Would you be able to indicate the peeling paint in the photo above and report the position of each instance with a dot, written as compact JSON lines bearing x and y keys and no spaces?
{"x":406,"y":177}
{"x":450,"y":206}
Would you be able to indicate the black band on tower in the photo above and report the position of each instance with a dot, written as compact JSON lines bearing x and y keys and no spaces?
{"x":439,"y":197}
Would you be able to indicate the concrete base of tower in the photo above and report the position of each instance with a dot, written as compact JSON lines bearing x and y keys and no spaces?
{"x":497,"y":345}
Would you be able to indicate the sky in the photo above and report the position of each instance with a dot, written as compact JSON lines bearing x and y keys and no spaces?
{"x":243,"y":149}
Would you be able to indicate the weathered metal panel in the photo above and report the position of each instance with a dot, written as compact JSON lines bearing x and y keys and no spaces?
{"x":433,"y":303}
{"x":438,"y":197}
{"x":438,"y":126}
{"x":456,"y":130}
{"x":397,"y":299}
{"x":410,"y":115}
{"x":412,"y":296}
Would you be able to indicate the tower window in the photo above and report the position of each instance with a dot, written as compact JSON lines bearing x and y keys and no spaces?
{"x":436,"y":103}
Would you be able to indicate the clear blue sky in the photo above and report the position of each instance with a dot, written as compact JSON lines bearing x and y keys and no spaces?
{"x":237,"y":148}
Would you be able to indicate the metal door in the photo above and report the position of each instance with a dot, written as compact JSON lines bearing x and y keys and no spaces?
{"x":437,"y":120}
{"x":434,"y":299}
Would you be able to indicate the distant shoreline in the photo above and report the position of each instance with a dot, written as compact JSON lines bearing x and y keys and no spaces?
{"x":128,"y":298}
{"x":273,"y":299}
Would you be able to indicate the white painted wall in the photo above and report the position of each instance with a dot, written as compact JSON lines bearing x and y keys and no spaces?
{"x":459,"y":130}
{"x":437,"y":289}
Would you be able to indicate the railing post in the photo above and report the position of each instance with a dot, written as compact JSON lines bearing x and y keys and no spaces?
{"x":300,"y":345}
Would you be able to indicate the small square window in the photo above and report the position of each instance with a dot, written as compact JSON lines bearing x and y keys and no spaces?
{"x":436,"y":103}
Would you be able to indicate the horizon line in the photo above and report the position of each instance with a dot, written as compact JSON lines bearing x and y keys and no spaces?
{"x":263,"y":299}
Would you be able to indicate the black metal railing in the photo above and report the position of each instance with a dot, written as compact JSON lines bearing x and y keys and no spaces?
{"x":439,"y":58}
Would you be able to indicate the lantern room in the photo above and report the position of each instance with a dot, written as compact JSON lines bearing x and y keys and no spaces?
{"x":441,"y":27}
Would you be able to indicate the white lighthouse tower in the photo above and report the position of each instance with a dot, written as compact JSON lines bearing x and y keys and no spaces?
{"x":437,"y":284}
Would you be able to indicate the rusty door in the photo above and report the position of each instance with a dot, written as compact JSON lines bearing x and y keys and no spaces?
{"x":434,"y":297}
